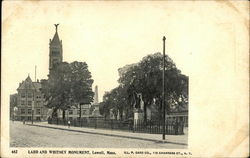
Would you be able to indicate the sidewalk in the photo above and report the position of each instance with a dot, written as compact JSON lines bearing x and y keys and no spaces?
{"x":173,"y":139}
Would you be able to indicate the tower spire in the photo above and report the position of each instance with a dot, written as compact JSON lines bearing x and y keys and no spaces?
{"x":56,"y":25}
{"x":55,"y":50}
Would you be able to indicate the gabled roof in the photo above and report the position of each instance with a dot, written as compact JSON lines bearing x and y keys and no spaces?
{"x":55,"y":40}
{"x":28,"y":84}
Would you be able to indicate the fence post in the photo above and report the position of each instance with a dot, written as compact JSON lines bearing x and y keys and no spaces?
{"x":167,"y":132}
{"x":111,"y":123}
{"x":132,"y":125}
{"x":182,"y":127}
{"x":150,"y":126}
{"x":95,"y":123}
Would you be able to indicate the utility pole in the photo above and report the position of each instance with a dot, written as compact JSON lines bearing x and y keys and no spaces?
{"x":32,"y":108}
{"x":163,"y":91}
{"x":35,"y":73}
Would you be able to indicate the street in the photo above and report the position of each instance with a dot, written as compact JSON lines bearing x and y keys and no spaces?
{"x":32,"y":136}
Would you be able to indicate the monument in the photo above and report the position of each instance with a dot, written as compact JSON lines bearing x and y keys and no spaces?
{"x":96,"y":111}
{"x":138,"y":108}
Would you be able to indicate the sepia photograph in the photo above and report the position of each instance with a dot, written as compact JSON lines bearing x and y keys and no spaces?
{"x":132,"y":114}
{"x":124,"y":79}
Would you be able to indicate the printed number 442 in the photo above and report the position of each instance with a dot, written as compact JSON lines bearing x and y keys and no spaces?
{"x":14,"y":151}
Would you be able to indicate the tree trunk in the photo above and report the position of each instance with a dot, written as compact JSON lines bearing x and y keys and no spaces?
{"x":121,"y":115}
{"x":145,"y":111}
{"x":115,"y":113}
{"x":63,"y":114}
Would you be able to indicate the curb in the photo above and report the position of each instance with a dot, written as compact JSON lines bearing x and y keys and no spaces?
{"x":106,"y":134}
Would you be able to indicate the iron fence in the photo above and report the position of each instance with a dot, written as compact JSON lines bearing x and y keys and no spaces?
{"x":140,"y":126}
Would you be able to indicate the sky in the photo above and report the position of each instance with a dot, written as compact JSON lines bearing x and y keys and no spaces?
{"x":106,"y":35}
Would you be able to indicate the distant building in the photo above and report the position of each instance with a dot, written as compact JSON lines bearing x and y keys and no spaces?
{"x":74,"y":112}
{"x":30,"y":98}
{"x":13,"y":104}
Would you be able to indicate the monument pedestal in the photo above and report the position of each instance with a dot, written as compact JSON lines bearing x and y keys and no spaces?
{"x":138,"y":117}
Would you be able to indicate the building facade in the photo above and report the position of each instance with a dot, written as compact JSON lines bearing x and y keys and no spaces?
{"x":30,"y":101}
{"x":13,"y":105}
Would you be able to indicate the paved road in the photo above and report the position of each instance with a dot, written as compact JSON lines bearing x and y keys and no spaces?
{"x":32,"y":136}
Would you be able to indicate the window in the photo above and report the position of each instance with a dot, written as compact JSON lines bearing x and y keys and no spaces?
{"x":29,"y":103}
{"x":84,"y":112}
{"x":70,"y":112}
{"x":38,"y":111}
{"x":38,"y":96}
{"x":22,"y":102}
{"x":55,"y":53}
{"x":22,"y":95}
{"x":22,"y":111}
{"x":78,"y":112}
{"x":29,"y":95}
{"x":29,"y":111}
{"x":55,"y":61}
{"x":29,"y":118}
{"x":38,"y":103}
{"x":38,"y":118}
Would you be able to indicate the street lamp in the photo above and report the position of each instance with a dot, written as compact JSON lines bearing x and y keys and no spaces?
{"x":163,"y":90}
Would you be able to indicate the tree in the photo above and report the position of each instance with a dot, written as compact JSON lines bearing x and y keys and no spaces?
{"x":67,"y":86}
{"x":81,"y":83}
{"x":57,"y":90}
{"x":145,"y":77}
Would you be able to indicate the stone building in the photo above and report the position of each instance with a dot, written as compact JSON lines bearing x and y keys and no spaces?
{"x":30,"y":100}
{"x":55,"y":50}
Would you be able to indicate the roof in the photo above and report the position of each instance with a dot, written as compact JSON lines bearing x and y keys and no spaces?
{"x":28,"y":84}
{"x":55,"y":40}
{"x":37,"y":85}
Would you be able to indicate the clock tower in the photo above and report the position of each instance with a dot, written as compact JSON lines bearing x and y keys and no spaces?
{"x":55,"y":50}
